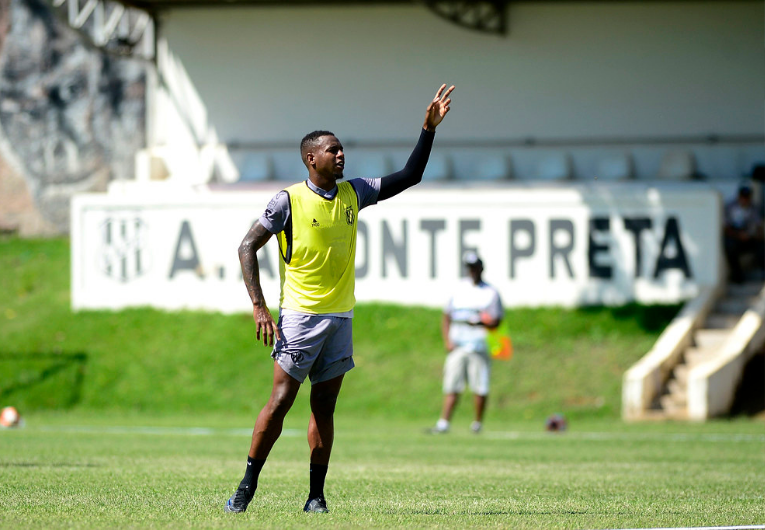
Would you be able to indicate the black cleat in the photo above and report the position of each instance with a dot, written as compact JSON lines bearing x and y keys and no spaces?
{"x":239,"y":500}
{"x":316,"y":505}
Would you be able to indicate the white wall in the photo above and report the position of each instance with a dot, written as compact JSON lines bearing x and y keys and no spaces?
{"x":565,"y":70}
{"x":540,"y":246}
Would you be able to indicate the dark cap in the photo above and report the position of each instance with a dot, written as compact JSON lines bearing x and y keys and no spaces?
{"x":745,"y":190}
{"x":471,"y":259}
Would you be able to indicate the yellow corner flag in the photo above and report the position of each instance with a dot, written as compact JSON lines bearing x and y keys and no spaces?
{"x":500,"y":345}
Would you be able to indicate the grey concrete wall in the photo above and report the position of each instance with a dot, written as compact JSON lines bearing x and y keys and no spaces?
{"x":71,"y":118}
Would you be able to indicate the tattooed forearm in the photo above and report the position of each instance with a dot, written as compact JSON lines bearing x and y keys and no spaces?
{"x":254,"y":240}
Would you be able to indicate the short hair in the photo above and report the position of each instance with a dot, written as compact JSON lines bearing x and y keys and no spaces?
{"x":310,"y":141}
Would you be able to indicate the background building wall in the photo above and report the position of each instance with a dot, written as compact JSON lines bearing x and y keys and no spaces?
{"x":565,"y":70}
{"x":72,"y":117}
{"x":579,"y":245}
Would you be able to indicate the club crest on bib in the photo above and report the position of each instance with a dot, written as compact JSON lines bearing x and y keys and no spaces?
{"x":350,"y":216}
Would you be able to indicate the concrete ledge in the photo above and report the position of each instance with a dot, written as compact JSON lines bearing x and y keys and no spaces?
{"x":643,"y":381}
{"x":712,"y":385}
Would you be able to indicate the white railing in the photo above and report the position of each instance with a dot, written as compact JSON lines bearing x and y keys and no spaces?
{"x":183,"y":147}
{"x":712,"y":385}
{"x":110,"y":25}
{"x":643,"y":382}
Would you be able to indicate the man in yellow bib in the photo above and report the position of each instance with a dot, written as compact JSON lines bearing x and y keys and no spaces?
{"x":315,"y":223}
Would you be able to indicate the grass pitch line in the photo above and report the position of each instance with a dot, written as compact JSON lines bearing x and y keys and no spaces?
{"x":627,"y":436}
{"x":746,"y":527}
{"x":494,"y":435}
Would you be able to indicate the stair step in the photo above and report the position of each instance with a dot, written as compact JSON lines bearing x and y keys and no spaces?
{"x":680,"y":414}
{"x":671,"y":406}
{"x":678,"y":391}
{"x":710,"y":338}
{"x":653,"y":415}
{"x":696,"y":356}
{"x":680,"y":373}
{"x":722,"y":321}
{"x":658,"y":414}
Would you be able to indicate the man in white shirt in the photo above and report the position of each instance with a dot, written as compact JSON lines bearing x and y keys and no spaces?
{"x":474,"y":308}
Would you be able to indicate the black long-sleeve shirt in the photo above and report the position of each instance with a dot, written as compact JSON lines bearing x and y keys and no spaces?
{"x":397,"y":182}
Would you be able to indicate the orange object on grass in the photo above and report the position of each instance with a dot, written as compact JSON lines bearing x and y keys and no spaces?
{"x":500,"y":345}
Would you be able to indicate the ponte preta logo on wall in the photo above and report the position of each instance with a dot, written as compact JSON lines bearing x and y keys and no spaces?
{"x":124,"y":254}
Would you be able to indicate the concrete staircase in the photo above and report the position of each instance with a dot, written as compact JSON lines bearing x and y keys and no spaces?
{"x":707,"y":341}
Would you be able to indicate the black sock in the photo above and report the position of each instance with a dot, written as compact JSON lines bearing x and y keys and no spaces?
{"x":251,"y":474}
{"x":318,"y":474}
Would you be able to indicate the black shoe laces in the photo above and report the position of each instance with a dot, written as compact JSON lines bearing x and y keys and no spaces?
{"x":242,"y":497}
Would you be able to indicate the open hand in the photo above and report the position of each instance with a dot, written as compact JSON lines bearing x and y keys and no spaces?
{"x":438,"y":108}
{"x":266,"y":327}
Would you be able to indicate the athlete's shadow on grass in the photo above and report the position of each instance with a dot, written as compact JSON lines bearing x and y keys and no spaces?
{"x":25,"y":371}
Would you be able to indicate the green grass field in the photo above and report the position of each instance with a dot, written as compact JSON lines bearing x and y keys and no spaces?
{"x":99,"y":471}
{"x":145,"y":360}
{"x":141,"y":418}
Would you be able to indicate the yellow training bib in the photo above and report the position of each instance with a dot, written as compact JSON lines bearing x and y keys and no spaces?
{"x":318,"y":247}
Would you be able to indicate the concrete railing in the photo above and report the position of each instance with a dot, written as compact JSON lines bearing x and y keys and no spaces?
{"x":712,"y":385}
{"x":183,"y":144}
{"x":643,"y":381}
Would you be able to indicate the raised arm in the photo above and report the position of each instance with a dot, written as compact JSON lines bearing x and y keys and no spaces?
{"x":397,"y":182}
{"x":256,"y":237}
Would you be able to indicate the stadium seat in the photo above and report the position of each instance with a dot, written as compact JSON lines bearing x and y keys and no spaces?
{"x":367,"y":164}
{"x":288,"y":166}
{"x":677,"y":165}
{"x":481,"y":166}
{"x":615,"y":167}
{"x":255,"y":167}
{"x":554,"y":166}
{"x":439,"y":167}
{"x":439,"y":164}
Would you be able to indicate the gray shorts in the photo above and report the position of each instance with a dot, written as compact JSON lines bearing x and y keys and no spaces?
{"x":317,"y":346}
{"x":463,"y":365}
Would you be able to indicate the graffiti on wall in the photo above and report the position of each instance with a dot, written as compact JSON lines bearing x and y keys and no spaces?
{"x":71,"y":116}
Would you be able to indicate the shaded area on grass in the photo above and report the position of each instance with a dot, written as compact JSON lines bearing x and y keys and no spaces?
{"x":650,"y":318}
{"x":42,"y":380}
